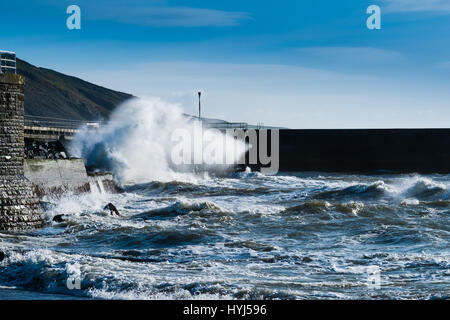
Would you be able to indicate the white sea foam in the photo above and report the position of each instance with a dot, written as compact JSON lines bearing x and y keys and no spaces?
{"x":259,"y":252}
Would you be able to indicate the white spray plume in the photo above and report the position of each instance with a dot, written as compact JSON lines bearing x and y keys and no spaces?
{"x":136,"y":143}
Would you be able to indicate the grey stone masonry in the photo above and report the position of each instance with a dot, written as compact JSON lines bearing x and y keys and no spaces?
{"x":19,"y":205}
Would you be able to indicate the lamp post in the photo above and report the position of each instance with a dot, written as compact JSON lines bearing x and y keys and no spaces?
{"x":199,"y":105}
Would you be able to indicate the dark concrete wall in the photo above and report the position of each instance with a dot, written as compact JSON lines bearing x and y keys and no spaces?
{"x":19,"y":206}
{"x":366,"y":150}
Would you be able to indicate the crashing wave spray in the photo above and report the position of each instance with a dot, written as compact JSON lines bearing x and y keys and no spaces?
{"x":136,"y":144}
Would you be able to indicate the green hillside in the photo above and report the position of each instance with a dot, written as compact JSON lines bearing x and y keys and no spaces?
{"x":52,"y":94}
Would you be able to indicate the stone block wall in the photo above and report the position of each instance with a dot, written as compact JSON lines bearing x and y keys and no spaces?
{"x":19,"y":205}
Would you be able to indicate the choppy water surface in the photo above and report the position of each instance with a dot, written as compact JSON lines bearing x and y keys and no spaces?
{"x":248,"y":236}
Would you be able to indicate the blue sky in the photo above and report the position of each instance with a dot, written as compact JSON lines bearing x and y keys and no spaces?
{"x":299,"y":64}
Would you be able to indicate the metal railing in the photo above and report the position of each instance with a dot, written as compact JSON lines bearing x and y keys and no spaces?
{"x":217,"y":124}
{"x":59,"y":123}
{"x":227,"y":125}
{"x":8,"y":62}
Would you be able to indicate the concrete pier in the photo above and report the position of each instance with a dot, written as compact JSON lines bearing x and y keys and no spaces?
{"x":19,"y":205}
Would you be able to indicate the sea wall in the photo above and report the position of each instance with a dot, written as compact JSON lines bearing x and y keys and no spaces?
{"x":19,"y":205}
{"x":55,"y":177}
{"x":365,"y":150}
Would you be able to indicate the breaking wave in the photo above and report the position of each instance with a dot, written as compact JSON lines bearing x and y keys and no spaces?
{"x":374,"y":190}
{"x":426,"y":188}
{"x":137,"y":143}
{"x":186,"y":207}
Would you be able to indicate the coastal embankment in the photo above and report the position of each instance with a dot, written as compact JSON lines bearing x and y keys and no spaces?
{"x":57,"y":176}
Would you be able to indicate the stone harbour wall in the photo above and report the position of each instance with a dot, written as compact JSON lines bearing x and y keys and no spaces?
{"x":53,"y":177}
{"x":19,"y":204}
{"x":63,"y":176}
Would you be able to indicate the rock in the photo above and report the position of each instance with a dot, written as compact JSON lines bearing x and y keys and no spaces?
{"x":112,"y":209}
{"x":2,"y":256}
{"x":58,"y":218}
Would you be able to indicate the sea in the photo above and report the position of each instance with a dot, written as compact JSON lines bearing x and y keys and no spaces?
{"x":240,"y":236}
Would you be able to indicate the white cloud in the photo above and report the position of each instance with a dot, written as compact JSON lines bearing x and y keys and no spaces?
{"x":165,"y":16}
{"x":432,"y":6}
{"x":155,"y":13}
{"x":351,"y":54}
